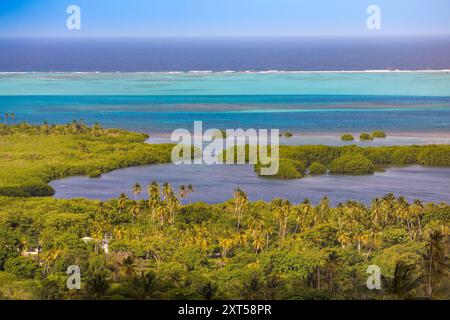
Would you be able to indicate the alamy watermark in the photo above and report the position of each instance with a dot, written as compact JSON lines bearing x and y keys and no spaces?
{"x":74,"y":278}
{"x":374,"y":20}
{"x":374,"y":279}
{"x":231,"y":146}
{"x":73,"y":22}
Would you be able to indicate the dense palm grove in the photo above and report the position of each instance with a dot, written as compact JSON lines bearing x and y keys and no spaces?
{"x":165,"y":247}
{"x":161,"y":249}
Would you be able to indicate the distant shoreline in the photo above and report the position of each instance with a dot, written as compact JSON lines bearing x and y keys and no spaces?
{"x":334,"y":138}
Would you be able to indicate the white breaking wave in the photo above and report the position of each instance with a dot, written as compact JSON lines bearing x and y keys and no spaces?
{"x":224,"y":72}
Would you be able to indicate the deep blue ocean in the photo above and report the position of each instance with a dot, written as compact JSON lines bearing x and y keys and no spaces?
{"x":221,"y":54}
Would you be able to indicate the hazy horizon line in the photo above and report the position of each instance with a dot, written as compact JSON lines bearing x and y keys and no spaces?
{"x":421,"y":35}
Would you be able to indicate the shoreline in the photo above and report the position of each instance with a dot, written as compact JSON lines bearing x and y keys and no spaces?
{"x":394,"y":137}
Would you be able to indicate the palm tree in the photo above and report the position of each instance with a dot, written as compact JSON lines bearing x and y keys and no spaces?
{"x":435,"y":262}
{"x":128,"y":267}
{"x":183,"y":191}
{"x":170,"y":201}
{"x":154,"y":196}
{"x":226,"y":244}
{"x":121,"y":202}
{"x":97,"y":286}
{"x":137,"y":190}
{"x":282,"y":210}
{"x":306,"y":210}
{"x":344,"y":238}
{"x":258,"y":241}
{"x":403,"y":282}
{"x":13,"y":116}
{"x":135,"y":210}
{"x":416,"y":212}
{"x":142,"y":287}
{"x":6,"y":118}
{"x":240,"y":203}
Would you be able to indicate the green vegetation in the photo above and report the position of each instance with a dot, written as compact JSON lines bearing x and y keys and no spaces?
{"x":378,"y":134}
{"x":288,"y":134}
{"x":347,"y":137}
{"x":31,"y":156}
{"x":365,"y":137}
{"x":160,"y":249}
{"x":366,"y":159}
{"x":317,"y":168}
{"x":378,"y":158}
{"x":288,"y":169}
{"x":352,"y":165}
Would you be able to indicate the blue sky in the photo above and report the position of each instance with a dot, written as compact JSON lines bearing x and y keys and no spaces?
{"x":150,"y":18}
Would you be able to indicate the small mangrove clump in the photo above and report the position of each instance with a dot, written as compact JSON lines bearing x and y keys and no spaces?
{"x":347,"y":137}
{"x":365,"y":137}
{"x":317,"y":168}
{"x":378,"y":134}
{"x":352,"y":165}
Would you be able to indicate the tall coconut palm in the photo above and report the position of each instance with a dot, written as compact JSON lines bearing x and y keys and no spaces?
{"x":13,"y":116}
{"x":182,"y":191}
{"x":258,"y":241}
{"x":240,"y":204}
{"x":121,"y":202}
{"x":282,"y":211}
{"x":137,"y":190}
{"x":435,"y":263}
{"x":306,"y":210}
{"x":416,"y":212}
{"x":344,"y":238}
{"x":154,"y":196}
{"x":226,"y":244}
{"x":135,"y":210}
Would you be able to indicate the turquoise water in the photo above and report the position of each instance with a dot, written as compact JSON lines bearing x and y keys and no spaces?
{"x":300,"y":102}
{"x":408,"y":103}
{"x":229,"y":84}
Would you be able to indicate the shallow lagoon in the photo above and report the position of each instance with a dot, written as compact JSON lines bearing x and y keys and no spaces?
{"x":215,"y":184}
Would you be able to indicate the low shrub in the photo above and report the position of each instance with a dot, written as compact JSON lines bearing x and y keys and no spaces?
{"x":95,"y":174}
{"x":288,"y":169}
{"x":352,"y":164}
{"x":27,"y":190}
{"x":365,"y":137}
{"x":378,"y":134}
{"x":347,"y":137}
{"x":317,"y":168}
